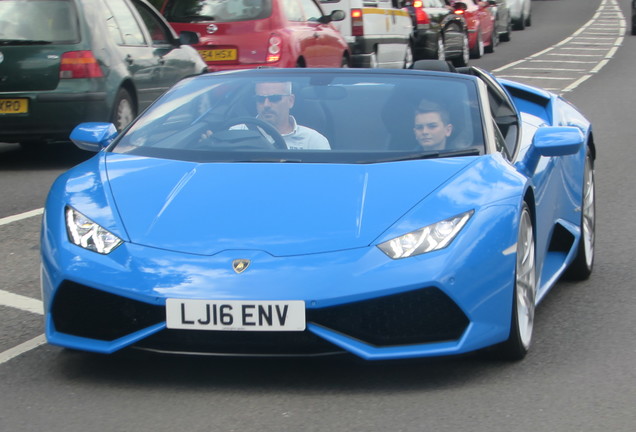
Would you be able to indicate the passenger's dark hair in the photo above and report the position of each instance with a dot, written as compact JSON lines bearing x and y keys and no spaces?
{"x":427,"y":106}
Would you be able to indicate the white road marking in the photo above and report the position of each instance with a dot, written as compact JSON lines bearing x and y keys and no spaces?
{"x":21,"y":302}
{"x":601,"y":38}
{"x":9,"y":219}
{"x":22,"y":348}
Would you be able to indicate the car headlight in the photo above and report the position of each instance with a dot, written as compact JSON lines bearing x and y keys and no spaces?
{"x":85,"y":233}
{"x":430,"y":238}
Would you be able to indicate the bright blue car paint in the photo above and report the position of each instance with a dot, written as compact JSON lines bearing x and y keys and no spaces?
{"x":321,"y":249}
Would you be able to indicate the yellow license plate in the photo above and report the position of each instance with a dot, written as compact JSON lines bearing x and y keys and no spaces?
{"x":14,"y":106}
{"x":218,"y":54}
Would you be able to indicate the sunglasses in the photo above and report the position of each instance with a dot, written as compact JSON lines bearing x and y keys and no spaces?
{"x":275,"y":98}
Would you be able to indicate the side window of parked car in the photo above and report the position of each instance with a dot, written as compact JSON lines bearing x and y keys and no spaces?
{"x":312,"y":12}
{"x":293,"y":11}
{"x":123,"y":21}
{"x":158,"y":32}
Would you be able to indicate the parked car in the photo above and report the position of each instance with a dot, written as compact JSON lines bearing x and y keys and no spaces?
{"x":378,"y":32}
{"x":521,"y":13}
{"x":256,"y":33}
{"x":482,"y":33}
{"x":70,"y":61}
{"x":438,"y":33}
{"x":503,"y":20}
{"x":375,"y":245}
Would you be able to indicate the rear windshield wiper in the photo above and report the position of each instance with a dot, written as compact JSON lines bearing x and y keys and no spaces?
{"x":190,"y":18}
{"x":24,"y":42}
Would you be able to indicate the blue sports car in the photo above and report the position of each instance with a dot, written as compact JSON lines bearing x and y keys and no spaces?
{"x":388,"y":214}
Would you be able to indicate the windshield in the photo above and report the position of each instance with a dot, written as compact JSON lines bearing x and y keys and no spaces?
{"x":38,"y":22}
{"x":311,"y":116}
{"x":217,"y":10}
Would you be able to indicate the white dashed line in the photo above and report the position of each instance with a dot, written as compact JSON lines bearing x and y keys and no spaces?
{"x":593,"y":45}
{"x":26,"y":215}
{"x":21,"y":302}
{"x":22,"y":348}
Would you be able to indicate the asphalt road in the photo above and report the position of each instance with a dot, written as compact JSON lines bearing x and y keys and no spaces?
{"x":579,"y":375}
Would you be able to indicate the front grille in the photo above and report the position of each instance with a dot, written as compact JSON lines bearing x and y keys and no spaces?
{"x":414,"y":317}
{"x":82,"y":311}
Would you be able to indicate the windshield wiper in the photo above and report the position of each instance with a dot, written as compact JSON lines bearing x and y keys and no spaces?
{"x":24,"y":42}
{"x":432,"y":155}
{"x":196,"y":18}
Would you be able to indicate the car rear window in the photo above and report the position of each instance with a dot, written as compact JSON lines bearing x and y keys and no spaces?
{"x":38,"y":21}
{"x":217,"y":10}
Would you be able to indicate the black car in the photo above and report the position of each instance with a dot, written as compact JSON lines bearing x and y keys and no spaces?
{"x":438,"y":33}
{"x":64,"y":62}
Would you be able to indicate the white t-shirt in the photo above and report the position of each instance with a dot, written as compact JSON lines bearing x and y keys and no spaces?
{"x":301,"y":137}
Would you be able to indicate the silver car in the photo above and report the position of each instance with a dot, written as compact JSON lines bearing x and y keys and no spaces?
{"x":521,"y":13}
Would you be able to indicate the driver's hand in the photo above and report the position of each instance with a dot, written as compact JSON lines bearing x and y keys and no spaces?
{"x":205,"y":135}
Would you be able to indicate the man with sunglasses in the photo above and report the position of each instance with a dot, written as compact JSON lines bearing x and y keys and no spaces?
{"x":274,"y":100}
{"x":432,"y":126}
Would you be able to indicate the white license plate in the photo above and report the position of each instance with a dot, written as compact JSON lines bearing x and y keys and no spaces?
{"x":235,"y":315}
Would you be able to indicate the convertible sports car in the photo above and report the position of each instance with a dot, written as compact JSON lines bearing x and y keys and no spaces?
{"x":199,"y":230}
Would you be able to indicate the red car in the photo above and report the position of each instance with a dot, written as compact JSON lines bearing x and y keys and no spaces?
{"x":243,"y":34}
{"x":480,"y":19}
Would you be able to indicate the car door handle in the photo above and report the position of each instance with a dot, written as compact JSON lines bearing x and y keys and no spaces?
{"x":162,"y":61}
{"x":129,"y":59}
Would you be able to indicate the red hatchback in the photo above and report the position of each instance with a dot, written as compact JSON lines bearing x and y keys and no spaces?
{"x":242,"y":34}
{"x":480,"y":19}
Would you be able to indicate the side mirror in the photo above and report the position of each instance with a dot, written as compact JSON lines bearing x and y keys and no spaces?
{"x":558,"y":140}
{"x":93,"y":136}
{"x":188,"y":38}
{"x":552,"y":141}
{"x":336,"y":15}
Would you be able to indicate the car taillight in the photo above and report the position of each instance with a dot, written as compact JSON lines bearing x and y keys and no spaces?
{"x":357,"y":25}
{"x":273,"y":49}
{"x":79,"y":64}
{"x":421,"y":17}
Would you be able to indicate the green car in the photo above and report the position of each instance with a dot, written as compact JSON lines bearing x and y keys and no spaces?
{"x":64,"y":62}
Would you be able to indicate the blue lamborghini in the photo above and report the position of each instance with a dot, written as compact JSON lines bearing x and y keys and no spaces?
{"x":204,"y":228}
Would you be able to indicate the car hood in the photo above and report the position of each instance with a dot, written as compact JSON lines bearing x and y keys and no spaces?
{"x":281,"y":208}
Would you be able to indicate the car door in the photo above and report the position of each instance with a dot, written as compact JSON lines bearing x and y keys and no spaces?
{"x":486,"y":19}
{"x":175,"y":62}
{"x":135,"y":51}
{"x":325,"y":48}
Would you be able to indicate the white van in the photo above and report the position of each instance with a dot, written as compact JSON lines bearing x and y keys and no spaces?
{"x":378,"y":32}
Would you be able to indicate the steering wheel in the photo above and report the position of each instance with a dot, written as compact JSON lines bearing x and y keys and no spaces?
{"x":253,"y":123}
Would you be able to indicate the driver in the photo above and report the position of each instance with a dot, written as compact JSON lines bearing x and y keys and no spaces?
{"x":274,"y":100}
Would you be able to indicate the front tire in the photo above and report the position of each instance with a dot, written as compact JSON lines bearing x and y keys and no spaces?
{"x":462,"y":60}
{"x":524,"y":296}
{"x":494,"y":41}
{"x":581,"y":267}
{"x":408,"y":57}
{"x":478,"y":50}
{"x":124,"y":111}
{"x":441,"y":49}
